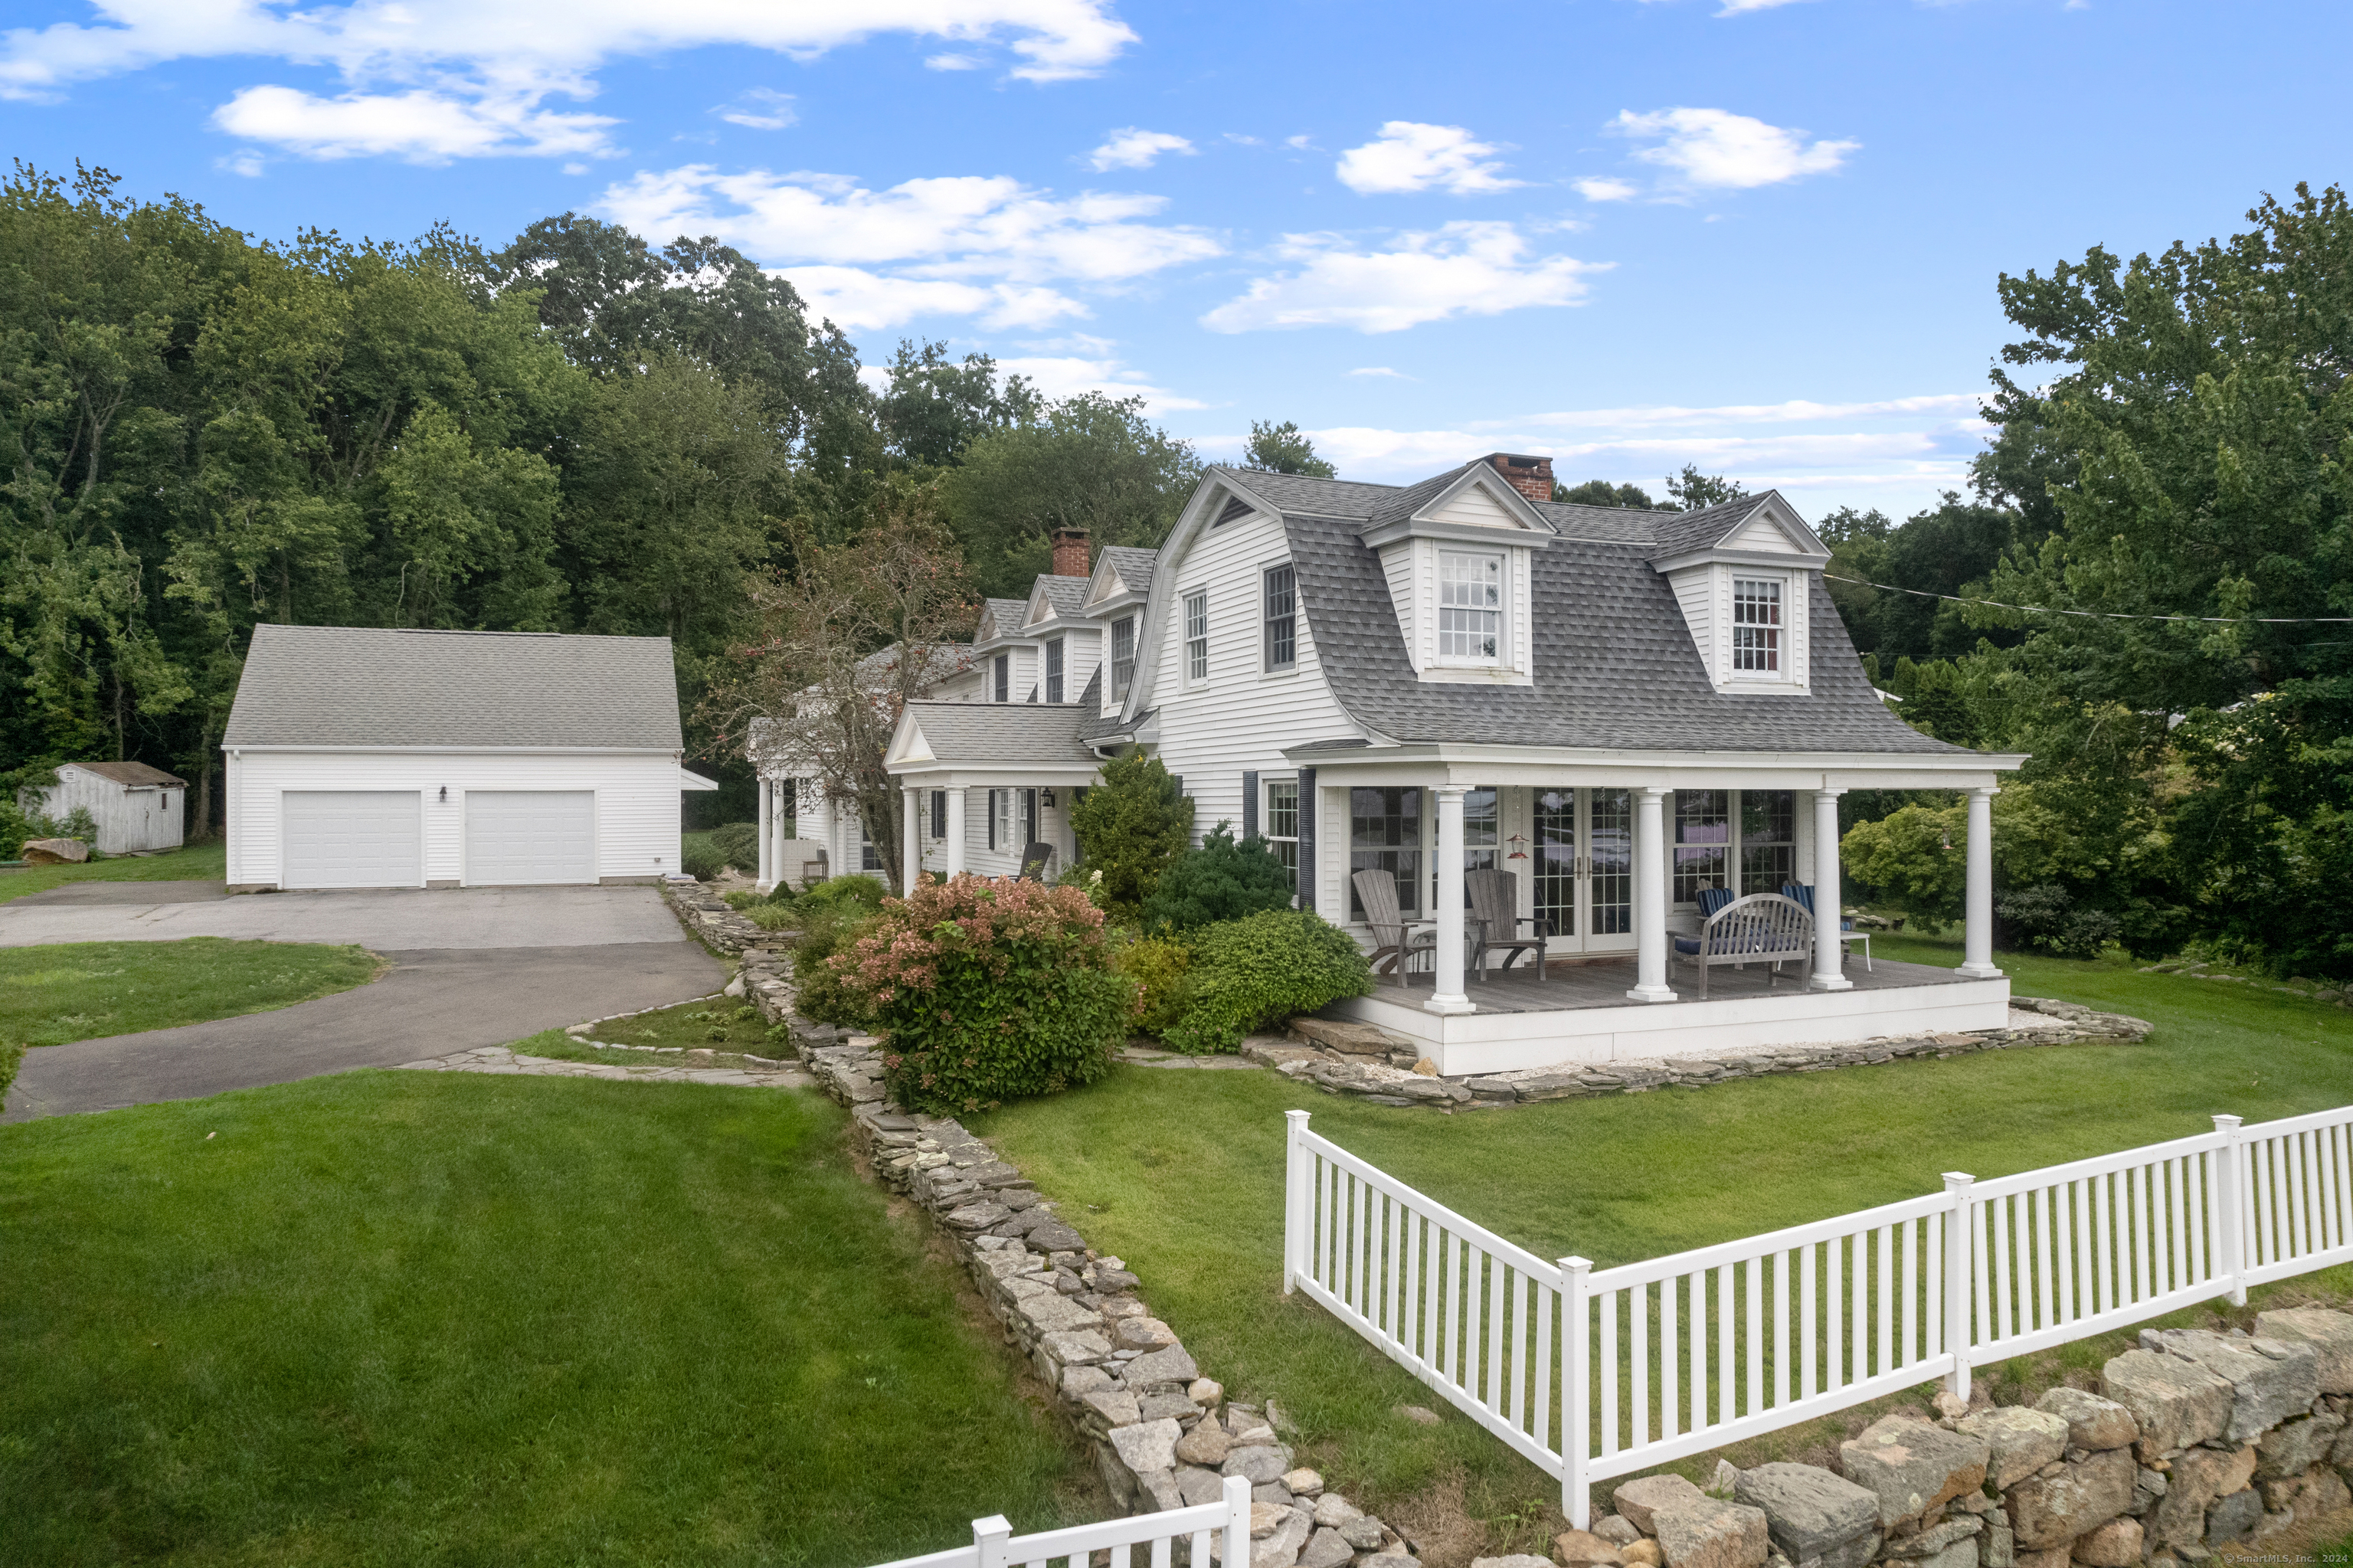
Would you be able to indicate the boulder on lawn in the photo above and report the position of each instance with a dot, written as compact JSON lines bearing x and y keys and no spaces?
{"x":54,"y":852}
{"x":1817,"y":1518}
{"x":1638,"y":1501}
{"x":2019,"y":1442}
{"x":2330,"y":1334}
{"x":2271,"y":1379}
{"x":2093,"y":1423}
{"x":2178,"y":1404}
{"x":1911,"y":1466}
{"x":1708,"y":1532}
{"x":2049,"y":1511}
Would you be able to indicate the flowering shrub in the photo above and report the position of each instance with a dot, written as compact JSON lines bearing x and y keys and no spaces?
{"x":984,"y":989}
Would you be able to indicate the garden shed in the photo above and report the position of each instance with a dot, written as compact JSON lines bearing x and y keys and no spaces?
{"x":134,"y":806}
{"x":380,"y":758}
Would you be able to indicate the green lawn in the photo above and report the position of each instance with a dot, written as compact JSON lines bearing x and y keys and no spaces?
{"x":198,"y":863}
{"x":730,"y":1028}
{"x":1180,"y":1175}
{"x":53,"y":995}
{"x":411,"y":1319}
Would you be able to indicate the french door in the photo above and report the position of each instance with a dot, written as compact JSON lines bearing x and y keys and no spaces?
{"x":1585,"y":868}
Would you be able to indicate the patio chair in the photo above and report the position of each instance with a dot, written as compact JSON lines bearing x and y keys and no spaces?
{"x":813,"y":871}
{"x":1396,"y":941}
{"x":1803,"y":892}
{"x":1037,"y":861}
{"x":1495,"y":902}
{"x":1762,"y":927}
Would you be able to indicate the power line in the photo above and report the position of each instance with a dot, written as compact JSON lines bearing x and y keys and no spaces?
{"x":2106,"y":615}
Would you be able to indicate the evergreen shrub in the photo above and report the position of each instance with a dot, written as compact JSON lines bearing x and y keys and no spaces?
{"x":700,"y":860}
{"x":985,"y":988}
{"x":1223,"y":879}
{"x":1132,"y":826}
{"x":1256,"y":972}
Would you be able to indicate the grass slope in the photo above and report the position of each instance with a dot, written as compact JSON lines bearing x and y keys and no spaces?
{"x":196,"y":863}
{"x":1180,"y":1175}
{"x":409,"y":1319}
{"x":54,"y":994}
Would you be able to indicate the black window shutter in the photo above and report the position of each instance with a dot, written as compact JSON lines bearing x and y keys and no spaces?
{"x":939,"y":813}
{"x":992,"y":818}
{"x":1307,"y":838}
{"x":1250,"y":805}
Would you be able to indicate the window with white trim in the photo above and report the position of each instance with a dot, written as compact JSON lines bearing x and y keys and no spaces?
{"x":1197,"y":636}
{"x":1000,"y":820}
{"x":1001,"y":678}
{"x":1280,"y":614}
{"x":1054,"y":671}
{"x":1470,"y":606}
{"x":1122,"y":657}
{"x":1282,"y":824}
{"x":1756,"y":626}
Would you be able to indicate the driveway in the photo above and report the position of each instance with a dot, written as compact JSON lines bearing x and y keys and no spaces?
{"x":471,"y":968}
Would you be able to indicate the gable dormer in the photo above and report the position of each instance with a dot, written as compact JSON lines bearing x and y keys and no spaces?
{"x":1458,"y":552}
{"x":1115,"y":599}
{"x":1743,"y":574}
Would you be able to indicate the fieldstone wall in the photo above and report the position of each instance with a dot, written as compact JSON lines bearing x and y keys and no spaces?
{"x":1370,"y":1063}
{"x":1162,"y":1434}
{"x":2196,"y":1440}
{"x":707,"y":914}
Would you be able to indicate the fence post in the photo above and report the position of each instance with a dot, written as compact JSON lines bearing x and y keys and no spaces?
{"x":1235,"y":1551}
{"x":1960,"y":1227}
{"x":2232,"y":1233}
{"x":989,"y":1537}
{"x":1575,"y":1418}
{"x":1294,"y":1198}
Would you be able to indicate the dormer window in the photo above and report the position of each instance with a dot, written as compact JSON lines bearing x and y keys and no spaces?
{"x":1054,"y":671}
{"x":1470,"y":606}
{"x":1001,"y":678}
{"x":1757,"y":627}
{"x":1122,"y":657}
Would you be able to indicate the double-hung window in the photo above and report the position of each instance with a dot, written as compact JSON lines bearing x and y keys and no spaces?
{"x":1470,"y":606}
{"x":1280,"y":617}
{"x":1001,"y":678}
{"x":1054,"y":671}
{"x":1000,"y":820}
{"x":1703,"y":838}
{"x":1283,"y":825}
{"x":1197,"y":636}
{"x":1384,"y":834}
{"x":1756,"y":626}
{"x":1768,"y":840}
{"x":939,"y":813}
{"x":1122,"y":657}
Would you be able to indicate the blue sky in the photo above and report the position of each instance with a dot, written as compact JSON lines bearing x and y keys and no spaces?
{"x":1761,"y":237}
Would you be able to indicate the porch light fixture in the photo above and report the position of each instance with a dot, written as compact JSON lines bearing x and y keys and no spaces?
{"x":1045,"y":796}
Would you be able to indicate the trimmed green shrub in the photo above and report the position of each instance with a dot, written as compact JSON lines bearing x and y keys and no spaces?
{"x":740,"y":843}
{"x":700,"y":861}
{"x":1158,"y":966}
{"x":985,"y":988}
{"x":865,"y":892}
{"x":1223,"y":879}
{"x":1132,"y":826}
{"x":817,"y":992}
{"x":1254,"y":973}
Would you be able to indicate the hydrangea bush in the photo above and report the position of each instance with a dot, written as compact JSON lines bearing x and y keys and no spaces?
{"x":985,"y":989}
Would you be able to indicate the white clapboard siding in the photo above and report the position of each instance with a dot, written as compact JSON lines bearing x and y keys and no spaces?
{"x":1695,"y":592}
{"x":1397,"y":566}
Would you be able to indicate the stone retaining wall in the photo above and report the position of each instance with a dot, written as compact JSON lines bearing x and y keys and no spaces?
{"x":2196,"y":1440}
{"x":711,"y":917}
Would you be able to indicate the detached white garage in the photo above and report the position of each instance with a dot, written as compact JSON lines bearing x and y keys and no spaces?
{"x":379,"y":758}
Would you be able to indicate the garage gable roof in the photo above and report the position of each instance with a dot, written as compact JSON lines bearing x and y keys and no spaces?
{"x":358,"y":686}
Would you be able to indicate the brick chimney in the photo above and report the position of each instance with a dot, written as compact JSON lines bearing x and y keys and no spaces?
{"x":1071,"y":546}
{"x":1531,"y":476}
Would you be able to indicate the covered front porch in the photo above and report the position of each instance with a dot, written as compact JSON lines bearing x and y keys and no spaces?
{"x":1615,"y":855}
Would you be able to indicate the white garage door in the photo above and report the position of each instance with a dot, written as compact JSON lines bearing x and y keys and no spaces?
{"x":529,"y":836}
{"x":353,"y":838}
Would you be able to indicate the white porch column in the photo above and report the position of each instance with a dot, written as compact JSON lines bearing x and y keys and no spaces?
{"x":766,"y":878}
{"x":1651,"y":897}
{"x":1829,"y":953}
{"x":910,"y":841}
{"x":956,"y":831}
{"x":1449,"y":995}
{"x":1976,"y":941}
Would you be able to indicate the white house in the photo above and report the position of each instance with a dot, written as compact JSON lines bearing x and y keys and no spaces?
{"x":365,"y":758}
{"x":135,"y":807}
{"x":1624,"y":708}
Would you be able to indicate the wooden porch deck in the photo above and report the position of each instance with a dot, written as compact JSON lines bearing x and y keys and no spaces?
{"x":1572,"y":985}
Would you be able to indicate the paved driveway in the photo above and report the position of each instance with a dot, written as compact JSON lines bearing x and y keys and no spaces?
{"x":471,"y":967}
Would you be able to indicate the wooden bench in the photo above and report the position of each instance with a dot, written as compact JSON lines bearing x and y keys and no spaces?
{"x":1762,"y":927}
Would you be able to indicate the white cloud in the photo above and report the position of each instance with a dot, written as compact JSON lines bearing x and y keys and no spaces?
{"x":953,"y":62}
{"x":1713,"y":149}
{"x":420,"y":125}
{"x":1135,"y":149}
{"x":1794,"y":411}
{"x":1407,"y":156}
{"x":428,"y":78}
{"x":1381,"y":370}
{"x":1602,"y":189}
{"x":1739,"y":7}
{"x":972,"y":245}
{"x":1462,"y":268}
{"x":762,"y":109}
{"x":1067,"y":376}
{"x":1302,"y":143}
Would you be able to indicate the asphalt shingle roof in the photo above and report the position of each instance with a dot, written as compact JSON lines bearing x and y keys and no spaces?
{"x":1066,"y":595}
{"x":1000,"y":618}
{"x":966,"y":733}
{"x":1133,"y":564}
{"x":131,"y":773}
{"x":343,"y":685}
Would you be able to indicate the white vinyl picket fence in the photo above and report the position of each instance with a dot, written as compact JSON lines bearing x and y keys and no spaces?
{"x":1594,"y":1374}
{"x":994,"y":1545}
